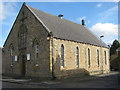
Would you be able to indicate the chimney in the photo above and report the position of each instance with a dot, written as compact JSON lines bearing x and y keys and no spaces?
{"x":60,"y":15}
{"x":83,"y":22}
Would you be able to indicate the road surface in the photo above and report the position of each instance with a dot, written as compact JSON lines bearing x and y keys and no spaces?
{"x":112,"y":81}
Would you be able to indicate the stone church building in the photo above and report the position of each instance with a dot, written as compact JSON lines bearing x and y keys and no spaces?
{"x":43,"y":45}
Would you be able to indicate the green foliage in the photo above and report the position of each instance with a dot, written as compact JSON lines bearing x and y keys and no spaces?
{"x":115,"y":63}
{"x":114,"y":59}
{"x":114,"y":46}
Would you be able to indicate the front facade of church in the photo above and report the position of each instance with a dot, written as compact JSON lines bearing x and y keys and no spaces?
{"x":30,"y":50}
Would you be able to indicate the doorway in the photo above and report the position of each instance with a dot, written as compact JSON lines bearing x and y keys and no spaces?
{"x":23,"y":65}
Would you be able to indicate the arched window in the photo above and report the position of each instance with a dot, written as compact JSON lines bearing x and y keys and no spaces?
{"x":77,"y":56}
{"x":98,"y":57}
{"x":62,"y":55}
{"x":105,"y":57}
{"x":22,"y":37}
{"x":36,"y":52}
{"x":11,"y":55}
{"x":88,"y":57}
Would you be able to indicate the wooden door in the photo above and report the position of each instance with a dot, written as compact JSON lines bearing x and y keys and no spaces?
{"x":23,"y":65}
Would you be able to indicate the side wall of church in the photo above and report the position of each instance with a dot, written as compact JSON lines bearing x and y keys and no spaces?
{"x":70,"y":68}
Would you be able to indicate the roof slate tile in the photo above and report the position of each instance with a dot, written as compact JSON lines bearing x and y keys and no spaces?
{"x":65,"y":29}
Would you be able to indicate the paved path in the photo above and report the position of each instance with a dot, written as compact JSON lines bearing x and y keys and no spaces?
{"x":111,"y":80}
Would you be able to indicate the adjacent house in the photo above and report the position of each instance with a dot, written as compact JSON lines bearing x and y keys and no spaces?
{"x":43,"y":45}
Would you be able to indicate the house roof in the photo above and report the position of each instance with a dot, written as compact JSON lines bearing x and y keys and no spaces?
{"x":65,"y":29}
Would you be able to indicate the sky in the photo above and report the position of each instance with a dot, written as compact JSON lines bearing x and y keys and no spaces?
{"x":101,"y":18}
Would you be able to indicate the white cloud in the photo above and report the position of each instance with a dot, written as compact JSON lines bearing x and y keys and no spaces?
{"x":80,"y":18}
{"x":7,"y":16}
{"x":119,"y":33}
{"x":109,"y":30}
{"x":112,"y":12}
{"x":115,"y":8}
{"x":8,"y":10}
{"x":99,"y":5}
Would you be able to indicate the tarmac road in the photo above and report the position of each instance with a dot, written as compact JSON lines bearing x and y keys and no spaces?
{"x":110,"y":81}
{"x":16,"y":85}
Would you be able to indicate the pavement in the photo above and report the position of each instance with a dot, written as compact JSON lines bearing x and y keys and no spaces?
{"x":110,"y":80}
{"x":31,"y":81}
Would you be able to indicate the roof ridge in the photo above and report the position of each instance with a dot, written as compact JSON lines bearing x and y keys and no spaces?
{"x":41,"y":11}
{"x":53,"y":15}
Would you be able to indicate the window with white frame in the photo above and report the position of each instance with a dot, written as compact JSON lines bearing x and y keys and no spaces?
{"x":77,"y":57}
{"x":62,"y":55}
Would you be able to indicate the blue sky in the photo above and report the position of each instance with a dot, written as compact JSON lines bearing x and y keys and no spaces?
{"x":100,"y":17}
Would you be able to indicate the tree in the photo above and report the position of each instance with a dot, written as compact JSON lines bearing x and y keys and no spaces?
{"x":114,"y":46}
{"x":114,"y":59}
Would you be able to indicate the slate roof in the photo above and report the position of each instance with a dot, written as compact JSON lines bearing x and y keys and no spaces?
{"x":65,"y":29}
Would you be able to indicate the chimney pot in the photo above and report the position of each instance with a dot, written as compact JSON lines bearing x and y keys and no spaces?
{"x":83,"y":22}
{"x":60,"y":15}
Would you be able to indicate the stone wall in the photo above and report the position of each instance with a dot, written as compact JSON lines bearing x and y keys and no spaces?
{"x":70,"y":68}
{"x":35,"y":30}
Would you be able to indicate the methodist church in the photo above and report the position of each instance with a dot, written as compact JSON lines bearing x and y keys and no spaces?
{"x":47,"y":46}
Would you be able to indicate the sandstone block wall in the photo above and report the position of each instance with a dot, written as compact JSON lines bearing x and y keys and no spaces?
{"x":70,"y":67}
